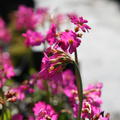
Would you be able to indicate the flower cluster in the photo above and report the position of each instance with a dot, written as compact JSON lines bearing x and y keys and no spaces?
{"x":26,"y":18}
{"x":91,"y":103}
{"x":43,"y":111}
{"x":54,"y":92}
{"x":22,"y":90}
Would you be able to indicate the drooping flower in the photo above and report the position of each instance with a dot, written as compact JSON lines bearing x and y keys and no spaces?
{"x":91,"y":102}
{"x":80,"y":22}
{"x":43,"y":111}
{"x":33,"y":38}
{"x":69,"y":41}
{"x":53,"y":62}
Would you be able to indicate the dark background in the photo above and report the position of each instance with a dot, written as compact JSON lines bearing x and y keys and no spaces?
{"x":6,"y":6}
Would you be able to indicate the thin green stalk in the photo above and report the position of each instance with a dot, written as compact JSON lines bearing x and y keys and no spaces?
{"x":47,"y":89}
{"x":79,"y":86}
{"x":76,"y":57}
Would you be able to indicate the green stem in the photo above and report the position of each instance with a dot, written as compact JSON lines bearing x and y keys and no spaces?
{"x":47,"y":89}
{"x":79,"y":86}
{"x":76,"y":57}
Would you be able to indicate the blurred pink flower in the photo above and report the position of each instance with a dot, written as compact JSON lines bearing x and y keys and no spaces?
{"x":5,"y":35}
{"x":6,"y":68}
{"x":51,"y":35}
{"x":80,"y":22}
{"x":33,"y":38}
{"x":43,"y":111}
{"x":25,"y":18}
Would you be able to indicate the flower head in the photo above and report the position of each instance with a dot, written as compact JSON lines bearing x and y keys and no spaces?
{"x":53,"y":62}
{"x":25,"y":18}
{"x":80,"y":22}
{"x":69,"y":41}
{"x":91,"y":102}
{"x":43,"y":111}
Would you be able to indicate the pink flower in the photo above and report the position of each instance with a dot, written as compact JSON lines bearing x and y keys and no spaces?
{"x":91,"y":102}
{"x":9,"y":71}
{"x":51,"y":35}
{"x":80,"y":22}
{"x":17,"y":117}
{"x":20,"y":95}
{"x":68,"y":78}
{"x":33,"y":38}
{"x":43,"y":111}
{"x":22,"y":90}
{"x":40,"y":84}
{"x":69,"y":41}
{"x":6,"y":68}
{"x":53,"y":62}
{"x":25,"y":18}
{"x":5,"y":35}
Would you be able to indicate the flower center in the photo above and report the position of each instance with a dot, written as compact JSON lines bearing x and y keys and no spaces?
{"x":70,"y":41}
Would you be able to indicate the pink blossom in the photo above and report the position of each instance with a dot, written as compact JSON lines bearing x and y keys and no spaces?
{"x":91,"y":102}
{"x":6,"y":68}
{"x":20,"y":95}
{"x":69,"y":41}
{"x":22,"y":90}
{"x":80,"y":22}
{"x":9,"y":71}
{"x":43,"y":111}
{"x":53,"y":62}
{"x":25,"y":18}
{"x":5,"y":35}
{"x":51,"y":35}
{"x":33,"y":38}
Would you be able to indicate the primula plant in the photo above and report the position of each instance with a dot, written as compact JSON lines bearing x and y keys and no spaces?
{"x":55,"y":91}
